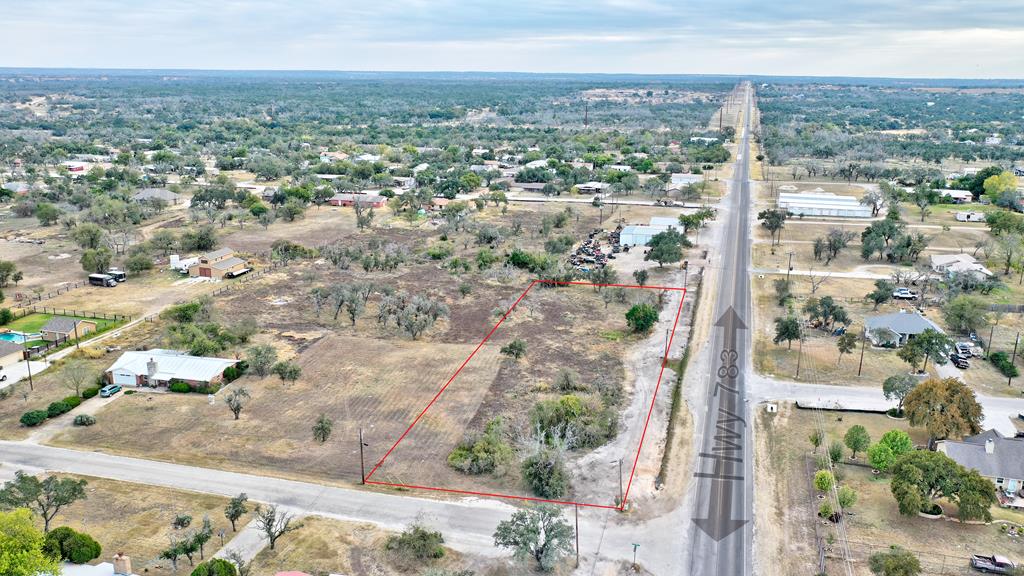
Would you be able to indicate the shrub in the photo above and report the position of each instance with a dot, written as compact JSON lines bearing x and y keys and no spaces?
{"x":71,"y":546}
{"x":545,"y":474}
{"x":489,"y":453}
{"x":56,"y":409}
{"x":641,"y":318}
{"x":515,"y":349}
{"x":72,"y":401}
{"x":6,"y":316}
{"x":33,"y":417}
{"x":1001,"y":360}
{"x":90,"y":392}
{"x":181,"y":521}
{"x":825,"y":510}
{"x":84,"y":420}
{"x":440,"y":251}
{"x":823,"y":480}
{"x":129,"y":392}
{"x":215,"y":567}
{"x":416,"y":543}
{"x":584,"y":420}
{"x":180,"y":387}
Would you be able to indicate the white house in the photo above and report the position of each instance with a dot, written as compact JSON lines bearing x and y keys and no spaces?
{"x":969,"y":216}
{"x":158,"y":367}
{"x":995,"y":457}
{"x":823,"y":204}
{"x":958,"y":263}
{"x":593,"y":187}
{"x":619,"y":167}
{"x":685,"y":179}
{"x":897,"y":328}
{"x":957,"y":196}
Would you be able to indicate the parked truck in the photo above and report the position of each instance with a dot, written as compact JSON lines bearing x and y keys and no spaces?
{"x":994,"y":564}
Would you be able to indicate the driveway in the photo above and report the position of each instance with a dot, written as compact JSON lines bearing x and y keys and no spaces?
{"x":19,"y":371}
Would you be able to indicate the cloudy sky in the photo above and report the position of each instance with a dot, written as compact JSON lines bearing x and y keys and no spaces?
{"x":922,"y":38}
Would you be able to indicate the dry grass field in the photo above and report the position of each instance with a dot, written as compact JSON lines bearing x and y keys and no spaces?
{"x":785,"y":501}
{"x":325,"y":545}
{"x":136,"y":519}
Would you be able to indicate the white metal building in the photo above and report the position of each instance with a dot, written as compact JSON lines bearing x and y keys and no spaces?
{"x":823,"y":204}
{"x":639,"y":235}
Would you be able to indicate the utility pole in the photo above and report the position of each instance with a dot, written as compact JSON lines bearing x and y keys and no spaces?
{"x":577,"y":535}
{"x":800,"y":353}
{"x":28,"y":365}
{"x":586,"y":114}
{"x":1016,"y":341}
{"x":362,"y":466}
{"x":77,"y":346}
{"x":620,"y":481}
{"x":863,"y":343}
{"x":789,"y":267}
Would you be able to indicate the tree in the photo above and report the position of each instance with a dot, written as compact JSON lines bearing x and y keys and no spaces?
{"x":827,"y":312}
{"x":857,"y":439}
{"x":545,"y":474}
{"x":47,"y":213}
{"x":215,"y":567}
{"x":966,"y":314}
{"x":76,"y":373}
{"x":416,"y":544}
{"x":71,"y":546}
{"x":641,"y":276}
{"x":88,"y":235}
{"x":138,"y":263}
{"x":774,"y":221}
{"x":975,"y":496}
{"x":1001,"y":190}
{"x":928,"y":344}
{"x":896,"y":562}
{"x":946,"y":407}
{"x":835,"y":451}
{"x":322,"y":428}
{"x":882,"y":293}
{"x":783,"y":290}
{"x":7,"y":270}
{"x":824,"y":480}
{"x":920,"y":477}
{"x":539,"y":532}
{"x":45,"y":497}
{"x":815,"y":438}
{"x":923,"y":202}
{"x":287,"y":371}
{"x":514,"y":349}
{"x":846,"y":344}
{"x":875,"y":199}
{"x":236,"y":400}
{"x":847,"y":497}
{"x":880,"y":456}
{"x":96,"y":260}
{"x":21,"y":546}
{"x":786,"y":329}
{"x":641,"y":318}
{"x":261,"y":359}
{"x":244,"y":568}
{"x":235,"y":509}
{"x":274,"y":523}
{"x":897,"y":387}
{"x":666,"y":247}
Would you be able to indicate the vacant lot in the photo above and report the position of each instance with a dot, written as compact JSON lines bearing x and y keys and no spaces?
{"x":136,"y":519}
{"x":326,"y":545}
{"x":785,"y":500}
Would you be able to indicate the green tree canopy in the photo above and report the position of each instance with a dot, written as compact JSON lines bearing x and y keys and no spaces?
{"x":537,"y":532}
{"x":21,"y":546}
{"x":946,"y":407}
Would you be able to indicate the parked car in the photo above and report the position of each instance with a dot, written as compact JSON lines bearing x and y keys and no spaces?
{"x":992,"y":564}
{"x":959,"y":361}
{"x":904,"y":294}
{"x":965,"y":349}
{"x":109,"y":390}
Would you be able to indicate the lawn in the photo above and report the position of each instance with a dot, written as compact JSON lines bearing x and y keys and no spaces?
{"x":34,"y":322}
{"x":136,"y":519}
{"x":786,"y":502}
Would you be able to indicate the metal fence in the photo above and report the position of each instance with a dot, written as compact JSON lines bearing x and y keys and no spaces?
{"x":27,"y":298}
{"x":26,"y":310}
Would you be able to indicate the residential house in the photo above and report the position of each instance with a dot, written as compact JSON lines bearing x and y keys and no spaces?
{"x":19,"y":188}
{"x":367,"y":158}
{"x":593,"y":187}
{"x":957,"y":196}
{"x":219,"y":264}
{"x":420,"y":168}
{"x":405,"y":182}
{"x":703,"y":140}
{"x":948,"y":264}
{"x":61,"y":328}
{"x":897,"y":329}
{"x":163,"y":194}
{"x":530,"y":186}
{"x":10,"y":353}
{"x":685,"y":179}
{"x":994,"y":456}
{"x":993,"y":140}
{"x":536,"y":164}
{"x":619,"y":167}
{"x":367,"y":200}
{"x":331,"y":157}
{"x":158,"y":367}
{"x":969,"y":216}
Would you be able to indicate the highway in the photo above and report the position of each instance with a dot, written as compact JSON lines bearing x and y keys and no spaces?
{"x":721,"y":527}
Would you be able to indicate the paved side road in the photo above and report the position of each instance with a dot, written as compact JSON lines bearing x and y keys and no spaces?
{"x":467,"y":524}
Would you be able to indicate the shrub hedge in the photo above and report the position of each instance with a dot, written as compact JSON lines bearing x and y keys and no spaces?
{"x":84,"y":420}
{"x":57,"y":408}
{"x":33,"y":418}
{"x":90,"y":392}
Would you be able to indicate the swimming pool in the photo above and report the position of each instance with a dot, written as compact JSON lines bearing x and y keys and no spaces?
{"x":18,"y":337}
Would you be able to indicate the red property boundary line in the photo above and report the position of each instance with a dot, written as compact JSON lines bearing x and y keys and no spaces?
{"x":643,"y":434}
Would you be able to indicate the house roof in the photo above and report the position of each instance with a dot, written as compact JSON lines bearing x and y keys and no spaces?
{"x":172,"y":364}
{"x":1005,"y":461}
{"x":9,"y":348}
{"x":61,"y":324}
{"x":959,"y":263}
{"x":218,"y":253}
{"x":160,"y":193}
{"x":227,"y":263}
{"x":901,"y":323}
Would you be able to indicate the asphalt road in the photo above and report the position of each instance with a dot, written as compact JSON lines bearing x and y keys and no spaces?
{"x":721,"y":530}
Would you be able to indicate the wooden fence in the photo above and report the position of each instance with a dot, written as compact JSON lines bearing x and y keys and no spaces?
{"x":26,"y":310}
{"x":23,"y":297}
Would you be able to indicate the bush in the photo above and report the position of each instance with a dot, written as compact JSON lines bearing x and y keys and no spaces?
{"x":56,"y":409}
{"x":440,"y":251}
{"x":180,"y":387}
{"x":72,"y":401}
{"x":129,"y":392}
{"x":1001,"y":360}
{"x":215,"y":567}
{"x":584,"y":420}
{"x":641,"y":318}
{"x":84,"y":420}
{"x":33,"y":418}
{"x":416,"y":543}
{"x":90,"y":392}
{"x":71,"y":546}
{"x":489,"y":453}
{"x":545,"y":474}
{"x":181,"y":521}
{"x":823,"y":480}
{"x":6,"y":316}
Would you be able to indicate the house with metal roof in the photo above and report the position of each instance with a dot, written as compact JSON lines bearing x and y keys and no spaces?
{"x":994,"y":456}
{"x":948,"y":264}
{"x":219,"y":264}
{"x":158,"y":367}
{"x":898,"y":328}
{"x":161,"y":194}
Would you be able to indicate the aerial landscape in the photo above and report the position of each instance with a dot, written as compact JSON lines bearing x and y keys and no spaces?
{"x":470,"y":289}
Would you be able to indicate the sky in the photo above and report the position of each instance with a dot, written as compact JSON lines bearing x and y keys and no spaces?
{"x":894,"y":38}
